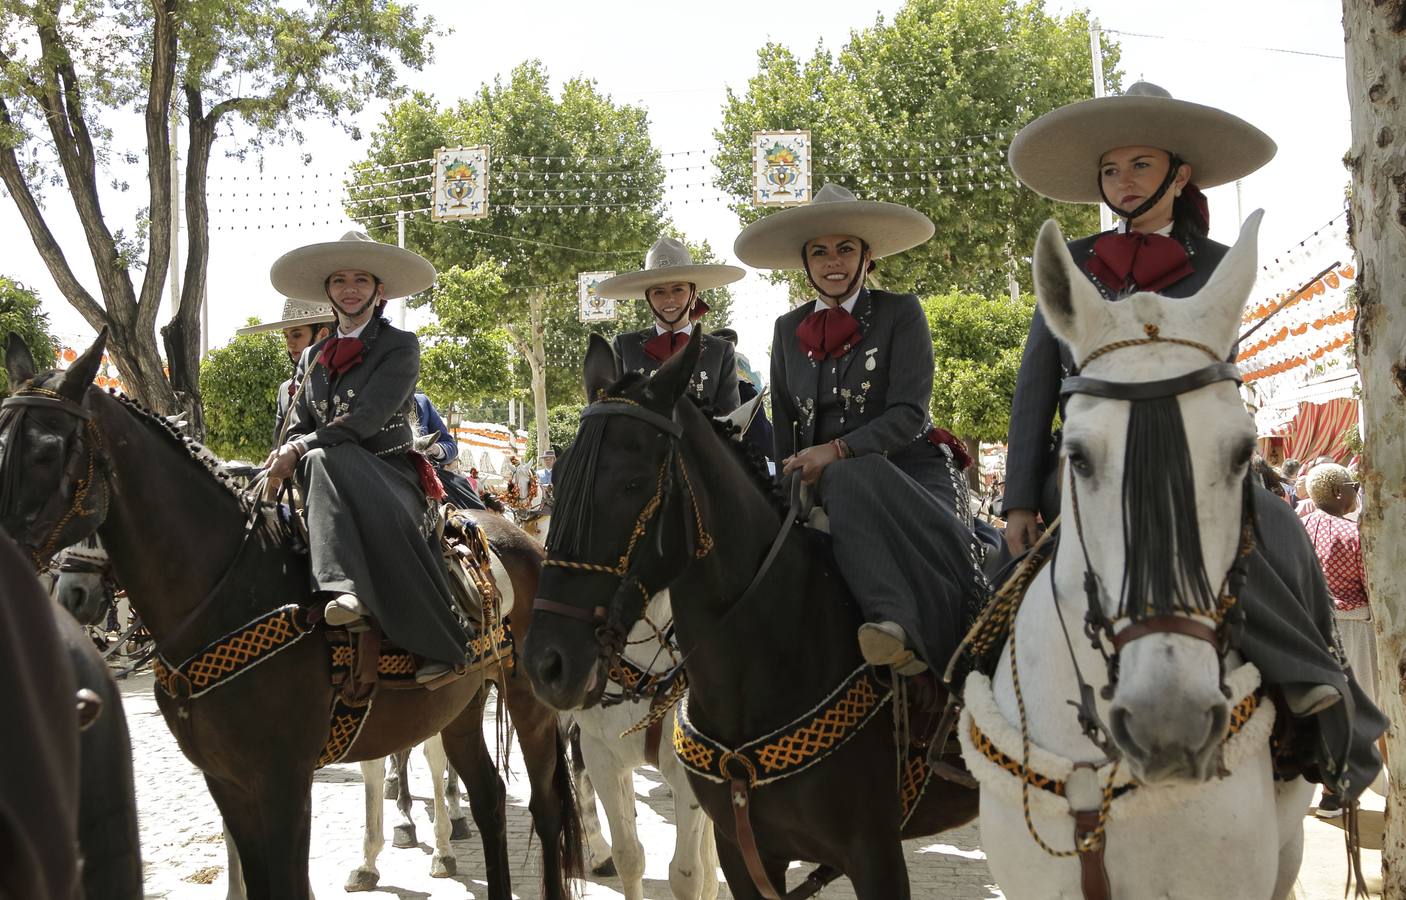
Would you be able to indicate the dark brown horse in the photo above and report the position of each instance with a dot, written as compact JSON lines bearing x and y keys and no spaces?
{"x":74,"y":459}
{"x":653,"y":495}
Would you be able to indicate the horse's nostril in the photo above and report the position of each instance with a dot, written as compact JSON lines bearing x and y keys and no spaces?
{"x":549,"y":667}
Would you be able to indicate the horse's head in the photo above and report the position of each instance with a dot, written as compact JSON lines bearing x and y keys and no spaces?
{"x":626,"y":524}
{"x":84,"y":585}
{"x":1157,"y":449}
{"x":53,"y":487}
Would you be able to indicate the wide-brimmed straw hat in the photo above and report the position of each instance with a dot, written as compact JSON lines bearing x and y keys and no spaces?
{"x":295,"y":313}
{"x":775,"y":241}
{"x":302,"y":273}
{"x":1057,"y":155}
{"x":668,"y":262}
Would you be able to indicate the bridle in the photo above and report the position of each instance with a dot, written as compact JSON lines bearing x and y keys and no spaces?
{"x":1110,"y":636}
{"x":77,"y":509}
{"x":613,"y":622}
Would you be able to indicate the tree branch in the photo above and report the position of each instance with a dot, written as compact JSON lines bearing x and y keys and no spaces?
{"x":158,"y":143}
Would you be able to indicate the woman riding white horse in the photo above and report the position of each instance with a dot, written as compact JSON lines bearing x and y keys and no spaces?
{"x":1161,"y":784}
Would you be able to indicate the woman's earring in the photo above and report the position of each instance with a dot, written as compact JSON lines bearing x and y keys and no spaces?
{"x":1178,"y":193}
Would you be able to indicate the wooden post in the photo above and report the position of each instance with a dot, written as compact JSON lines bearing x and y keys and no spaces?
{"x":1376,"y":83}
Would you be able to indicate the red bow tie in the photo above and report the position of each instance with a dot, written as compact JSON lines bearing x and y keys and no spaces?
{"x":292,"y":388}
{"x":828,"y":334}
{"x":340,"y":354}
{"x":1145,"y":262}
{"x":665,"y":344}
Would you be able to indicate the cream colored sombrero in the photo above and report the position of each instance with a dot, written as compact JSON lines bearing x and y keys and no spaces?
{"x":668,"y":262}
{"x":302,"y":273}
{"x":1057,"y":155}
{"x":775,"y":241}
{"x":295,"y":313}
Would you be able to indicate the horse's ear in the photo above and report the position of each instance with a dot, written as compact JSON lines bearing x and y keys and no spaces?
{"x":673,"y":377}
{"x":600,"y":368}
{"x":1220,"y":303}
{"x":1071,"y":305}
{"x":84,"y":369}
{"x":19,"y":362}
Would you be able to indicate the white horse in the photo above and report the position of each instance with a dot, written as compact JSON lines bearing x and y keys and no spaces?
{"x":373,"y":775}
{"x":611,"y":757}
{"x":1187,"y":807}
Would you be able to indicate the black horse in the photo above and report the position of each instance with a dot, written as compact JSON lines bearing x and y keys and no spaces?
{"x":200,"y":563}
{"x":68,"y":816}
{"x":654,"y":494}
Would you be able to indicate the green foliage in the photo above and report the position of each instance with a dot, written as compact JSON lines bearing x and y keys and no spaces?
{"x":20,"y":313}
{"x":494,"y":271}
{"x":883,"y":113}
{"x":239,"y":383}
{"x":562,"y":422}
{"x":462,"y":371}
{"x":977,"y":342}
{"x":1352,"y":439}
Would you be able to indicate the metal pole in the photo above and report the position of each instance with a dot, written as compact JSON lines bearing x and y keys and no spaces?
{"x":1105,"y":215}
{"x":1240,"y":200}
{"x":400,"y":239}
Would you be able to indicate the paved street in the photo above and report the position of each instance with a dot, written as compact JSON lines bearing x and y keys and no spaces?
{"x":184,"y":853}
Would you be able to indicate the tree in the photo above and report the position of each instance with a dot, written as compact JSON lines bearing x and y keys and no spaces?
{"x":239,"y":383}
{"x":977,"y":342}
{"x":1376,"y":87}
{"x":919,"y":111}
{"x":20,"y":313}
{"x":562,"y":423}
{"x":68,"y":73}
{"x":458,"y":372}
{"x":576,"y":185}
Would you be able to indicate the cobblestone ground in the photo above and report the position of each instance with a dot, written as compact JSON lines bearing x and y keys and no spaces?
{"x":184,"y":855}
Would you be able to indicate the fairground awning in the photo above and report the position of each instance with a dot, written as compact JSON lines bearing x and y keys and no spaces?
{"x":1310,"y":420}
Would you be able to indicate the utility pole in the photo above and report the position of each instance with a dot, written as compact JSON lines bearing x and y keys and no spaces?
{"x":1240,"y":201}
{"x":1105,"y":215}
{"x":400,"y":239}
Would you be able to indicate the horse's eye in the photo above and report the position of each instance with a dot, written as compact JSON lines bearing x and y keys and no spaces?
{"x":1080,"y":462}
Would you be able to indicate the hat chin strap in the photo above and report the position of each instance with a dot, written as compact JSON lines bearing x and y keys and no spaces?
{"x":853,"y":282}
{"x":1176,"y":164}
{"x":692,"y":300}
{"x":343,"y":315}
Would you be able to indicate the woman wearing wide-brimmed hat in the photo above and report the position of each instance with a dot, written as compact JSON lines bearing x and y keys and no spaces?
{"x":302,"y":324}
{"x":851,"y":381}
{"x":350,"y":443}
{"x":670,"y":283}
{"x":1146,"y":156}
{"x":1143,"y":154}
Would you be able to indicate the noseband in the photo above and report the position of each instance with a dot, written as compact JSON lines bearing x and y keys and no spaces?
{"x":54,"y":537}
{"x":1106,"y":636}
{"x":613,"y":623}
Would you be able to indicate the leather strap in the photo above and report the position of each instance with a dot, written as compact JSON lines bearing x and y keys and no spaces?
{"x":43,"y":400}
{"x":1093,"y":874}
{"x":652,"y":736}
{"x":1150,"y":390}
{"x":747,"y":840}
{"x":594,"y":616}
{"x":1184,"y":625}
{"x":621,"y":408}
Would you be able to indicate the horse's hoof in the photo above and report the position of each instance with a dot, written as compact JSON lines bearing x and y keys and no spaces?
{"x":459,"y":829}
{"x":444,"y":867}
{"x":403,"y":836}
{"x":363,"y":880}
{"x":392,"y":790}
{"x":606,"y":869}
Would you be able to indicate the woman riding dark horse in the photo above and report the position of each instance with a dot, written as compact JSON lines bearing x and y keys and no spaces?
{"x":1143,"y":154}
{"x":785,"y":729}
{"x":246,"y":684}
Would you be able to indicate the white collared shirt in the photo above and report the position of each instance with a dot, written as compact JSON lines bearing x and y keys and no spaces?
{"x":686,"y":330}
{"x":1165,"y":230}
{"x":355,"y":332}
{"x":847,"y":306}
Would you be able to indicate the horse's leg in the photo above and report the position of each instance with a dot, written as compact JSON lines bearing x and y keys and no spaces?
{"x":442,"y":864}
{"x":598,"y":848}
{"x":395,"y":765}
{"x":468,"y":751}
{"x":273,"y":826}
{"x":458,"y":820}
{"x":739,"y":882}
{"x":553,"y":800}
{"x":688,"y":876}
{"x":373,"y":777}
{"x":236,"y":869}
{"x":877,"y":871}
{"x":403,"y":833}
{"x":616,"y":784}
{"x":1291,"y":800}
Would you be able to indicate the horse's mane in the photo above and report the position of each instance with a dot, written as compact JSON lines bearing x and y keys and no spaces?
{"x":578,"y":465}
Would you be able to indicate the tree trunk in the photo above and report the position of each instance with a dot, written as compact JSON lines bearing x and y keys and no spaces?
{"x":537,"y":302}
{"x":1376,"y":81}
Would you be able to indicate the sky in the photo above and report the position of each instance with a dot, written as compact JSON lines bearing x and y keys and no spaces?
{"x":678,"y":61}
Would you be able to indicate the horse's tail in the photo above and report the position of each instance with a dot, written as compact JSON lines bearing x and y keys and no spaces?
{"x":572,"y":842}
